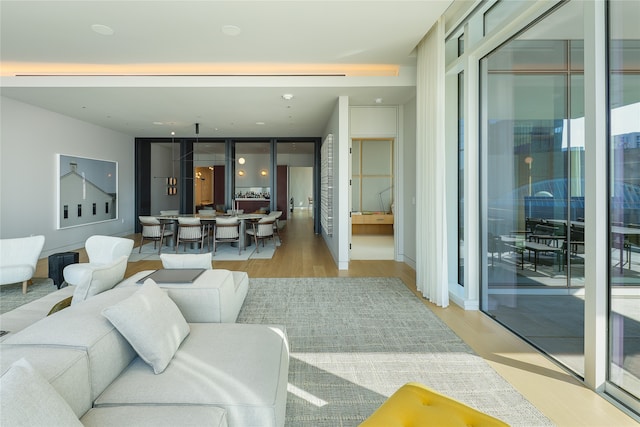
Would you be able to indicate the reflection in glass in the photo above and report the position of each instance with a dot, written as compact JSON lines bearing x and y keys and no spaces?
{"x":624,"y":209}
{"x":209,"y":176}
{"x":533,"y":157}
{"x":253,"y":188}
{"x":461,"y":178}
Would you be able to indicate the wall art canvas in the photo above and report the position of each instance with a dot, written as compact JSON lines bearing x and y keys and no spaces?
{"x":87,"y":191}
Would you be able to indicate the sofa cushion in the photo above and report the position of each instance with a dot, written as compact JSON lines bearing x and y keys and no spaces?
{"x":152,"y":323}
{"x":26,"y":398}
{"x":156,"y":416}
{"x":66,"y":369}
{"x":186,"y":260}
{"x":242,"y":368}
{"x":216,"y":295}
{"x":100,"y":279}
{"x":28,"y":314}
{"x":82,"y":326}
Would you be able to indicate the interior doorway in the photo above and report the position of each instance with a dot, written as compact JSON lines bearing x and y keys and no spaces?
{"x":372,"y":199}
{"x":301,"y":189}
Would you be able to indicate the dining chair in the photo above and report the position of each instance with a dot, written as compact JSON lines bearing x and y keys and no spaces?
{"x":226,"y":230}
{"x":190,"y":230}
{"x":263,"y":230}
{"x":153,"y":229}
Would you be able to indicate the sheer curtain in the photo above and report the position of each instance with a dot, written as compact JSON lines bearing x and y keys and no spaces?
{"x":431,"y":215}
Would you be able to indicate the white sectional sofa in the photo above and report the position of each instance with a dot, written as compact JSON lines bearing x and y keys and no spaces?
{"x":221,"y":374}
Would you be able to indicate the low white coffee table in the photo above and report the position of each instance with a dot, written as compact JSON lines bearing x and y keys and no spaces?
{"x":214,"y":297}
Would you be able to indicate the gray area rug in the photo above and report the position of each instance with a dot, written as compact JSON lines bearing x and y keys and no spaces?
{"x":11,"y":296}
{"x":354,"y":341}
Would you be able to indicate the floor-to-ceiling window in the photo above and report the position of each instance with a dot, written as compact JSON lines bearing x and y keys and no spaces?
{"x":461,"y":176}
{"x":533,"y":155}
{"x":527,"y":69}
{"x":624,"y":208}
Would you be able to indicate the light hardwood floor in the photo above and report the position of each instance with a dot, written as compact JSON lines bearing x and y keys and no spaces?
{"x":559,"y":395}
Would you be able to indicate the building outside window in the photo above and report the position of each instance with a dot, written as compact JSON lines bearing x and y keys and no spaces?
{"x":528,"y":85}
{"x":624,"y":207}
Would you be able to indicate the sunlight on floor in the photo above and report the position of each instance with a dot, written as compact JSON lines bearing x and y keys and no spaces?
{"x":371,"y":247}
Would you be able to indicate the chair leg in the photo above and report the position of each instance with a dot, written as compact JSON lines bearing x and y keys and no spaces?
{"x":24,"y":286}
{"x":160,"y":248}
{"x":141,"y":243}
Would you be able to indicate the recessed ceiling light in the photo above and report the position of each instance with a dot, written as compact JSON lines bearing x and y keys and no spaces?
{"x":287,"y":97}
{"x":158,"y":123}
{"x":231,"y":30}
{"x":102,"y":29}
{"x":260,"y":123}
{"x":378,"y":100}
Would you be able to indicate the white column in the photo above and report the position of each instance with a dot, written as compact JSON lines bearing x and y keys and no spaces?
{"x":596,"y":203}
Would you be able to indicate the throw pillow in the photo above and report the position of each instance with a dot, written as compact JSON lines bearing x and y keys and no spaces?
{"x":101,"y":279}
{"x":152,"y":323}
{"x":27,"y":399}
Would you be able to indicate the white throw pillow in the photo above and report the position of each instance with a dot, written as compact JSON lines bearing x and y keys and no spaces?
{"x":101,"y":279}
{"x":27,"y":399}
{"x":152,"y":323}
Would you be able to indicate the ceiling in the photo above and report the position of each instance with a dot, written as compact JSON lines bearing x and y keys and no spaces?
{"x":149,"y":68}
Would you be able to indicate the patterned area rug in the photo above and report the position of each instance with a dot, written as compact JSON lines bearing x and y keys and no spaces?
{"x":11,"y":296}
{"x":354,"y":341}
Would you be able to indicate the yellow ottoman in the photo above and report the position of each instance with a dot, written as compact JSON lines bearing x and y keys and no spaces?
{"x":415,"y":405}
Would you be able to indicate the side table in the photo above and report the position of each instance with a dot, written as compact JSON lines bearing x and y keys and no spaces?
{"x":57,"y":263}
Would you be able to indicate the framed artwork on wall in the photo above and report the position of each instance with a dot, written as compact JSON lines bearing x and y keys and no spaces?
{"x":87,"y":191}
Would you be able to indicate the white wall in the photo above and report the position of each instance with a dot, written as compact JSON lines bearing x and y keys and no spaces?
{"x":301,"y":186}
{"x":338,"y":126}
{"x":254,"y":163}
{"x":296,"y":159}
{"x":30,"y":138}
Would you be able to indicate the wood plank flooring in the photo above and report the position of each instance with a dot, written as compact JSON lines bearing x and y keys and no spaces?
{"x":559,"y":395}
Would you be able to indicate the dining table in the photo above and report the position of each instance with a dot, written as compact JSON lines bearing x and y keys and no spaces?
{"x":208,"y":221}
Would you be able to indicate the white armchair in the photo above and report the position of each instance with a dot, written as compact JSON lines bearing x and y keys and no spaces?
{"x":102,"y":250}
{"x":18,"y":259}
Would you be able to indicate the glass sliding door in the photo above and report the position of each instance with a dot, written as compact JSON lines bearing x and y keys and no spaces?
{"x":209,"y":176}
{"x":253,"y":177}
{"x":532,"y":150}
{"x":624,"y":188}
